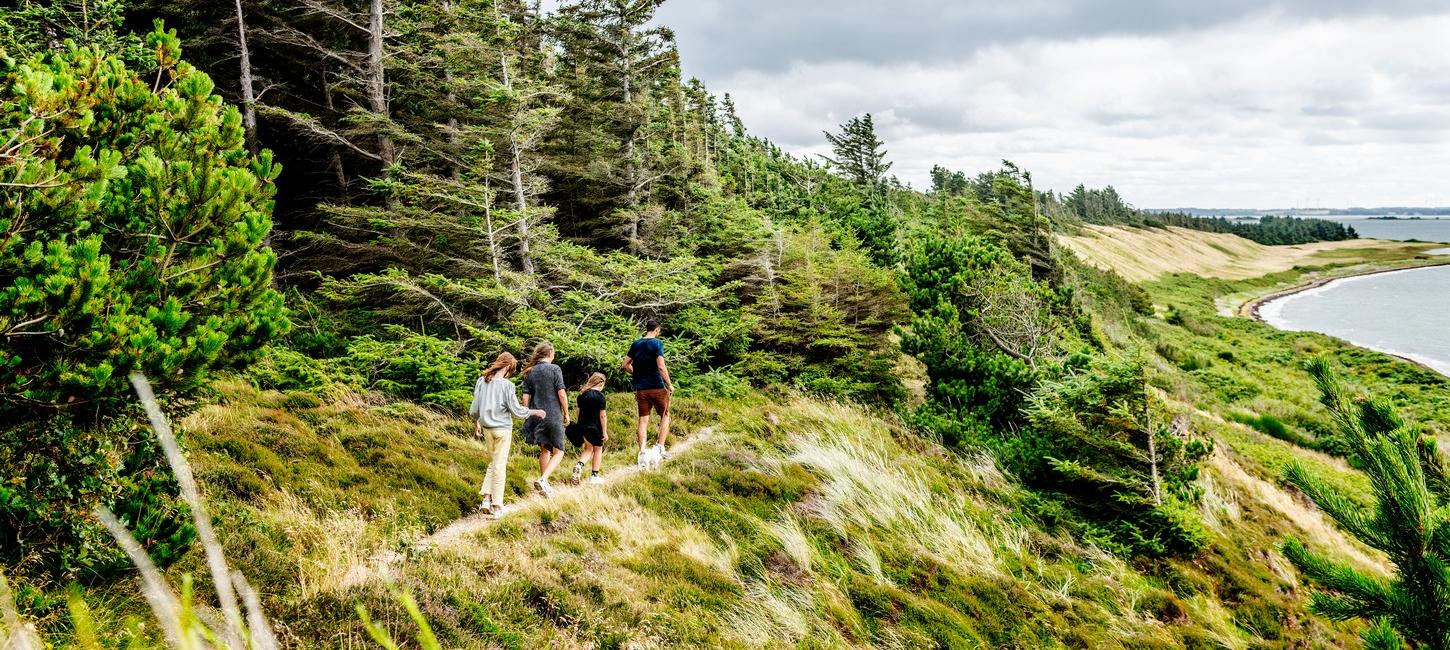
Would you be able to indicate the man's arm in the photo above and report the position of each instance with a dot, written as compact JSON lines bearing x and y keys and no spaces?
{"x":628,"y":364}
{"x":664,"y":372}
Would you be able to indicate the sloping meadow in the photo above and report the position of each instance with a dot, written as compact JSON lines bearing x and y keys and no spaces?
{"x":796,"y":523}
{"x":807,"y":524}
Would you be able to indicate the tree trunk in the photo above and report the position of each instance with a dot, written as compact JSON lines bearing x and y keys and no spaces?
{"x":516,"y":177}
{"x":336,"y":163}
{"x":249,"y":98}
{"x":631,"y":181}
{"x":492,"y":241}
{"x":376,"y":83}
{"x":1153,"y":460}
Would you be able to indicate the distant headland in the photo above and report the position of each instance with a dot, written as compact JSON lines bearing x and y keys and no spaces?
{"x":1380,"y":212}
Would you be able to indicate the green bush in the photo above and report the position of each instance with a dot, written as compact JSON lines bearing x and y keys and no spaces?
{"x":414,"y":366}
{"x":1104,"y":445}
{"x":133,"y":219}
{"x":976,"y":388}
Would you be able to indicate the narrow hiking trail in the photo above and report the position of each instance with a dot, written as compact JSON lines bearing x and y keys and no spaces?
{"x":472,"y":523}
{"x":383,"y":564}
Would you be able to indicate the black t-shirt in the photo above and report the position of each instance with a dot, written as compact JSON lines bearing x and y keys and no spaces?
{"x":644,"y":353}
{"x":591,"y":404}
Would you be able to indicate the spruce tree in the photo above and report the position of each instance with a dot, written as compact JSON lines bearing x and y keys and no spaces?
{"x":615,"y":63}
{"x":858,"y":153}
{"x":1409,"y":521}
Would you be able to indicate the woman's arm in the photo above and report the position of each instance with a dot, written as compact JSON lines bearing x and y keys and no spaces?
{"x":477,"y":400}
{"x":519,"y":411}
{"x":604,"y":424}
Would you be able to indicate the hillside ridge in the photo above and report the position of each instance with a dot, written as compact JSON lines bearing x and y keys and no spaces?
{"x":1143,"y":254}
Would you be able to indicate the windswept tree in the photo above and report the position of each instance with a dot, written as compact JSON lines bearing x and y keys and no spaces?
{"x":1109,"y":448}
{"x":129,"y":243}
{"x":1409,"y":521}
{"x":527,"y":102}
{"x":350,"y":47}
{"x":866,"y":209}
{"x":979,"y":375}
{"x":858,"y":154}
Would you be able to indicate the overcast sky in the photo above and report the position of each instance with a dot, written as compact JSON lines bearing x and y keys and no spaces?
{"x":1202,"y":103}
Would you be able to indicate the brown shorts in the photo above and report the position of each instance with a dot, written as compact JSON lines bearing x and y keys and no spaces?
{"x":656,"y":398}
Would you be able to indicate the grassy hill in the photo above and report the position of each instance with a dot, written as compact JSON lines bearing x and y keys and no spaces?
{"x":1141,"y":254}
{"x":797,"y":523}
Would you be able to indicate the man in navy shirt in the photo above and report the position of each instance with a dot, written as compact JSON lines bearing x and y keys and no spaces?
{"x":652,"y":386}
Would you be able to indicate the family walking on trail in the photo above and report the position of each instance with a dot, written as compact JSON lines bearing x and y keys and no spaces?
{"x":546,"y":414}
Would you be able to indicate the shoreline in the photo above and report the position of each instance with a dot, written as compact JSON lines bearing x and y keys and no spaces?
{"x":1250,"y":308}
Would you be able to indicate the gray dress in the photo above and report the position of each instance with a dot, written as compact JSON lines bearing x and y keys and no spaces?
{"x":542,"y":385}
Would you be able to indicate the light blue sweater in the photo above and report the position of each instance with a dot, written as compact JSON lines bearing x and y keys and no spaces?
{"x":494,"y":401}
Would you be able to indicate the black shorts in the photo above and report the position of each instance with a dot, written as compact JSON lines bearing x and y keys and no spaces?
{"x":548,"y":432}
{"x":578,"y":434}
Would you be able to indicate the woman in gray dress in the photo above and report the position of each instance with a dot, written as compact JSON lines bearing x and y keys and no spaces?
{"x":544,"y":390}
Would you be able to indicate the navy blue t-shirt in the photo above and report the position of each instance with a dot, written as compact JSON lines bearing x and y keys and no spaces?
{"x":644,"y":352}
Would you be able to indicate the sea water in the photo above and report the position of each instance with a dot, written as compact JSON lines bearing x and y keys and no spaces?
{"x":1400,"y":312}
{"x":1433,"y":229}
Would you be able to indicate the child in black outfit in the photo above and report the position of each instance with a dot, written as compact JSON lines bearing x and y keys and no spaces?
{"x":590,"y":431}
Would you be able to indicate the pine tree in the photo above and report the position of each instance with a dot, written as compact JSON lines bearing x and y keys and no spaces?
{"x":1107,"y":446}
{"x":1409,"y":521}
{"x":28,"y":27}
{"x":131,"y":229}
{"x":614,"y":62}
{"x":976,"y":388}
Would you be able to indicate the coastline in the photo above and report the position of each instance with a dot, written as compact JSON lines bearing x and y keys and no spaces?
{"x":1250,"y":308}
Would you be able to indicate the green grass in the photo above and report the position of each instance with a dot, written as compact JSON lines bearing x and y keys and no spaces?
{"x":834,"y":527}
{"x":820,"y":526}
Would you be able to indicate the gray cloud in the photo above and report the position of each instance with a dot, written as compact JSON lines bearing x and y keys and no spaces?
{"x":720,"y":37}
{"x":1231,"y":103}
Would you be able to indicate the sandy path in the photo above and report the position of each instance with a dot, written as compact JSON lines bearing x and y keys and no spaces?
{"x":470,"y":524}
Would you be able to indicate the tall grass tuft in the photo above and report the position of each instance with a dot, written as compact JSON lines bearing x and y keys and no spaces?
{"x":243,"y":625}
{"x":15,"y":633}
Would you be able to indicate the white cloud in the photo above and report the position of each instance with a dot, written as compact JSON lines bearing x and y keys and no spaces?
{"x":1269,"y":111}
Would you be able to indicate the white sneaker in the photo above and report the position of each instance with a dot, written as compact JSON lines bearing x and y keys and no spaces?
{"x":487,"y":503}
{"x":548,"y":489}
{"x":664,"y":454}
{"x":541,"y":487}
{"x":596,"y":480}
{"x":577,"y":473}
{"x":500,"y":512}
{"x":642,"y":459}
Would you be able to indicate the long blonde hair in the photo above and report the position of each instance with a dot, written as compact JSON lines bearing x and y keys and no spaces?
{"x":595,"y":381}
{"x":504,"y":363}
{"x":541,"y":351}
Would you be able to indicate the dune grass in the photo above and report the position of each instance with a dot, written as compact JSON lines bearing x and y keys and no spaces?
{"x":833,"y":527}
